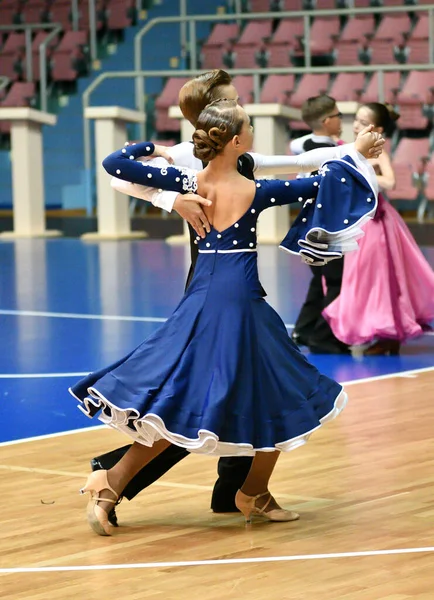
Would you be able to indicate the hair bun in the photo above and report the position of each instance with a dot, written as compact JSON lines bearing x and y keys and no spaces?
{"x":208,"y":145}
{"x":393,"y":114}
{"x":204,"y":147}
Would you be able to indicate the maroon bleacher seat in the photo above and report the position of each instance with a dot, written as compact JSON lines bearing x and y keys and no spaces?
{"x":392,"y":82}
{"x":250,"y":41}
{"x":418,"y":89}
{"x":259,"y":5}
{"x":244,"y":85}
{"x":214,"y":47}
{"x":15,"y":42}
{"x":352,"y":39}
{"x":322,"y":35}
{"x":63,"y":67}
{"x":72,"y":42}
{"x":326,"y":4}
{"x":310,"y":85}
{"x":12,"y":56}
{"x":406,"y":161}
{"x":286,"y":37}
{"x":61,"y":13}
{"x":34,"y":11}
{"x":100,"y":13}
{"x":417,"y":45}
{"x":10,"y":12}
{"x":390,"y":34}
{"x":167,"y":98}
{"x":347,"y":87}
{"x":222,"y":33}
{"x":277,"y":89}
{"x":12,"y":66}
{"x":39,"y":38}
{"x":292,"y":5}
{"x":120,"y":14}
{"x":21,"y":93}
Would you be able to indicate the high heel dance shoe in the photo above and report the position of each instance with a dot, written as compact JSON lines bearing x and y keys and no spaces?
{"x":247,"y":505}
{"x":383,"y":347}
{"x":97,"y":517}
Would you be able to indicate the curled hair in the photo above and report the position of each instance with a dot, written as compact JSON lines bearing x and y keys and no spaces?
{"x":201,"y":91}
{"x":384,"y":115}
{"x":217,"y":124}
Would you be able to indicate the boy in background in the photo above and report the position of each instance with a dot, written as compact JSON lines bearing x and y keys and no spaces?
{"x":322,"y":115}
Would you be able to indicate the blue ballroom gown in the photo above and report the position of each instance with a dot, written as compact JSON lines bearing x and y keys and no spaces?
{"x":221,"y":376}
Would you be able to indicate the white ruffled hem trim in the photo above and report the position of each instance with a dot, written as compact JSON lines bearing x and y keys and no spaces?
{"x":151,"y":428}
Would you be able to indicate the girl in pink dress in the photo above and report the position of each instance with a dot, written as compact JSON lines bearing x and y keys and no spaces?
{"x":387,"y":293}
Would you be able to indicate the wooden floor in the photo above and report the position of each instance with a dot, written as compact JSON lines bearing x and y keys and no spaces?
{"x":363,"y":485}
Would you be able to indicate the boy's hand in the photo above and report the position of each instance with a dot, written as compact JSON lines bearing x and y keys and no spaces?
{"x":188,"y":207}
{"x":369,"y":143}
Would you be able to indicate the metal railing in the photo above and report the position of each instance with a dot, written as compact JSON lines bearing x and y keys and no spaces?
{"x":4,"y":82}
{"x":56,"y":28}
{"x":28,"y":29}
{"x":256,"y":73}
{"x":306,"y":15}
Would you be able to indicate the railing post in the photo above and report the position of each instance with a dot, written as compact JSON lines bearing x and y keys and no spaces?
{"x":307,"y":52}
{"x":431,"y":34}
{"x":183,"y":31}
{"x":381,"y":93}
{"x":29,"y":63}
{"x":256,"y":88}
{"x":74,"y":13}
{"x":43,"y":66}
{"x":92,"y":28}
{"x":193,"y":45}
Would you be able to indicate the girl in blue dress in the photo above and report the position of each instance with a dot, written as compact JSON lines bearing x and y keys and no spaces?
{"x":221,"y":376}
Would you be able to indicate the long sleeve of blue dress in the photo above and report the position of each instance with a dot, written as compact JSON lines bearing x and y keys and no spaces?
{"x":333,"y":205}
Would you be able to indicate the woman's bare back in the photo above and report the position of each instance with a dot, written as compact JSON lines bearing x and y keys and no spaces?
{"x":231,"y":197}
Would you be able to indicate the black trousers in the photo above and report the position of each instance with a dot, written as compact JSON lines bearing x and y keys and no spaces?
{"x":311,"y":327}
{"x":232,"y":471}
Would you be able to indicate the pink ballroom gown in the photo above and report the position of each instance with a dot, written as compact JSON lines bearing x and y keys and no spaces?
{"x":387,"y":286}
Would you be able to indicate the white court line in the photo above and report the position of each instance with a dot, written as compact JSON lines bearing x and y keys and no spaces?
{"x":56,"y":315}
{"x":406,"y":374}
{"x":223,"y":561}
{"x":40,"y":375}
{"x":353,"y":382}
{"x":48,"y":436}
